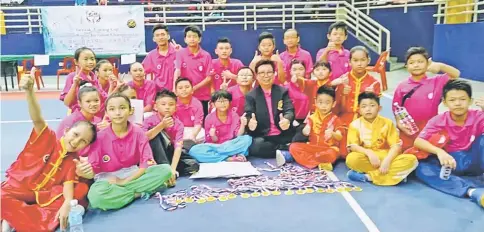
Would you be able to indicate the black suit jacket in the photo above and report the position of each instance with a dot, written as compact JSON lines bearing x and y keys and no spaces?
{"x":255,"y":102}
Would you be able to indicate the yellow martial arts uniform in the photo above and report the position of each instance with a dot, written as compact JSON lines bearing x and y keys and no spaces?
{"x":379,"y":137}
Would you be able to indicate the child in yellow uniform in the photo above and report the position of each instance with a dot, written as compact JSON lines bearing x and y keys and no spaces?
{"x":375,"y":146}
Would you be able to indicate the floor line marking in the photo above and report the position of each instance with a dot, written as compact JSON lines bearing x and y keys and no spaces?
{"x":27,"y":121}
{"x":369,"y":224}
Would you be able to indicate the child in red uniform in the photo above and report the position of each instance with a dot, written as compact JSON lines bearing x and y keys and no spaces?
{"x":358,"y":81}
{"x":40,"y":183}
{"x":324,"y":130}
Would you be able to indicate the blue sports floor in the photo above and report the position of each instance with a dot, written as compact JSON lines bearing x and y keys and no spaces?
{"x":409,"y":207}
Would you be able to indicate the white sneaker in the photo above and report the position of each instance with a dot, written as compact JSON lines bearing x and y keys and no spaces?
{"x":280,"y":159}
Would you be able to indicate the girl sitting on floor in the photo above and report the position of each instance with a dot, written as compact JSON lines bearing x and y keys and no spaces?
{"x":122,"y":161}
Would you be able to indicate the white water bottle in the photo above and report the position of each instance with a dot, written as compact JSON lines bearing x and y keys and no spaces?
{"x":445,"y":172}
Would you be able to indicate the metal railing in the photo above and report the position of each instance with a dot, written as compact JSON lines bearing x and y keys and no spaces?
{"x":247,"y":15}
{"x":475,"y":10}
{"x":367,"y":5}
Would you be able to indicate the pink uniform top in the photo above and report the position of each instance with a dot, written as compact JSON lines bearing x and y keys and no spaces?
{"x":273,"y":129}
{"x":300,"y":100}
{"x":225,"y":131}
{"x":190,"y":115}
{"x":196,"y":68}
{"x":424,"y":102}
{"x":111,"y":153}
{"x":91,"y":79}
{"x":233,"y":66}
{"x":175,"y":132}
{"x":238,"y":99}
{"x":461,"y":137}
{"x":301,"y":55}
{"x":146,"y":92}
{"x":339,"y":62}
{"x":162,"y":67}
{"x":70,"y":120}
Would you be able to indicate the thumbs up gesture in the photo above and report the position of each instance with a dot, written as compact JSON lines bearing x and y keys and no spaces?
{"x":276,"y":57}
{"x":257,"y":57}
{"x":27,"y":81}
{"x":252,"y":123}
{"x":243,"y":120}
{"x":283,"y":122}
{"x":307,"y":129}
{"x":213,"y":131}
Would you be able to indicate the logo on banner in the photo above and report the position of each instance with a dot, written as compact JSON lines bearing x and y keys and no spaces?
{"x":93,"y":16}
{"x":131,"y":23}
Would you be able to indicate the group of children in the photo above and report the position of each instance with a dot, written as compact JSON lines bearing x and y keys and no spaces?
{"x":196,"y":111}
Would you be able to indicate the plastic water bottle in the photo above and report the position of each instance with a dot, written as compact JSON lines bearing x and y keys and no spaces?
{"x":445,"y":172}
{"x":405,"y":118}
{"x":75,"y":217}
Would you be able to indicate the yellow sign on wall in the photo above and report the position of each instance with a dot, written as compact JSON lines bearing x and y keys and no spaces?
{"x":2,"y":24}
{"x":455,"y":7}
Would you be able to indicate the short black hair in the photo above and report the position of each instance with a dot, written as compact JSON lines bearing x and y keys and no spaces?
{"x":117,"y":95}
{"x":267,"y":35}
{"x":223,"y":40}
{"x":160,"y":27}
{"x":416,"y":51}
{"x":359,"y":48}
{"x":264,"y":62}
{"x":328,"y":90}
{"x":86,"y":87}
{"x":338,"y":25}
{"x":368,"y":95}
{"x":221,"y":94}
{"x":247,"y":67}
{"x":100,"y":63}
{"x":165,"y":93}
{"x":78,"y":52}
{"x":292,"y":29}
{"x":180,"y":79}
{"x":193,"y":29}
{"x":92,"y":129}
{"x":322,"y":64}
{"x":457,"y":85}
{"x":296,"y":61}
{"x":124,"y":88}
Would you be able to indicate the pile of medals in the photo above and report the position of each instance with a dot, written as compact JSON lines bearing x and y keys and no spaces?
{"x":291,"y":180}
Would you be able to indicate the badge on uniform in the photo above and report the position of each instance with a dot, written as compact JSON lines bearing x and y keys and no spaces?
{"x":279,"y":105}
{"x":46,"y":158}
{"x":158,"y":66}
{"x":430,"y":96}
{"x":192,"y":118}
{"x":184,"y":65}
{"x":200,"y":68}
{"x":106,"y":158}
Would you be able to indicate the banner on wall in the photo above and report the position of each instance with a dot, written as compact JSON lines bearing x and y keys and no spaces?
{"x":106,"y":30}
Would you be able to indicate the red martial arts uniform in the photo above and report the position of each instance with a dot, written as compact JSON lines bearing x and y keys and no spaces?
{"x":318,"y":149}
{"x":348,"y":104}
{"x":32,"y":194}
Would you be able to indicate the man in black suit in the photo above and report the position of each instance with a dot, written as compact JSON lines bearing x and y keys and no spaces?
{"x":270,"y":127}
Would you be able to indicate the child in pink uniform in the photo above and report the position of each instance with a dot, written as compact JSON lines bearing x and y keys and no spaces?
{"x":105,"y":75}
{"x":295,"y":52}
{"x":335,"y":54}
{"x":195,"y":63}
{"x":464,"y":153}
{"x":300,"y":100}
{"x":161,"y":61}
{"x":89,"y":101}
{"x":224,"y":68}
{"x":421,"y":95}
{"x":145,"y":89}
{"x":245,"y":78}
{"x":85,"y":64}
{"x":267,"y":45}
{"x":123,"y":161}
{"x":224,"y":131}
{"x":166,"y":136}
{"x":189,"y":111}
